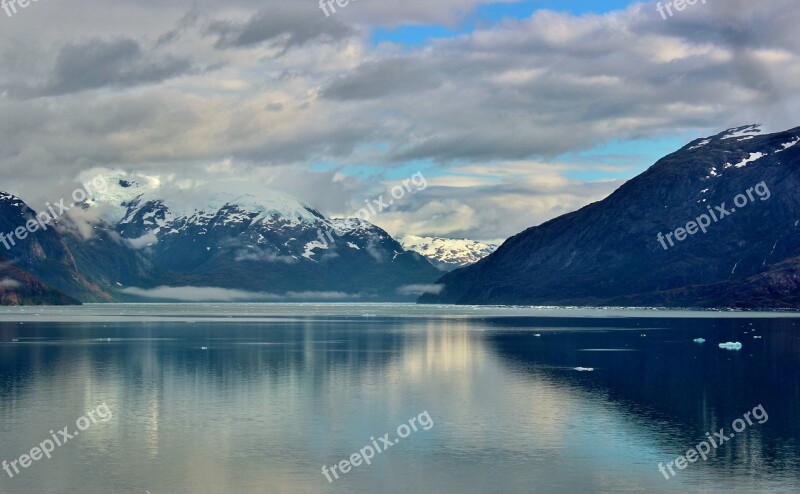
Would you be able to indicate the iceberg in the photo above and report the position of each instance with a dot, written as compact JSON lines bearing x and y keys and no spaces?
{"x":731,"y":346}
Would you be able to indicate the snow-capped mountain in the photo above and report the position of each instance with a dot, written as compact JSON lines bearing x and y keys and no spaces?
{"x":241,"y":236}
{"x":447,"y":254}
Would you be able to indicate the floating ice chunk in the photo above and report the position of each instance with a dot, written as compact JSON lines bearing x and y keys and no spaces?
{"x":699,"y":340}
{"x":537,"y":335}
{"x":757,"y":337}
{"x":731,"y":346}
{"x":203,"y":348}
{"x":584,"y":369}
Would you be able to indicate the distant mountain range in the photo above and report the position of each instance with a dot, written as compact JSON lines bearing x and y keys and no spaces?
{"x":234,"y":242}
{"x":447,"y":254}
{"x":644,"y":245}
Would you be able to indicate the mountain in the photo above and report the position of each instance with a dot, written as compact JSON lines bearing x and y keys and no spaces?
{"x":20,"y":288}
{"x":42,"y":254}
{"x":243,"y":237}
{"x":447,"y":254}
{"x":645,"y":245}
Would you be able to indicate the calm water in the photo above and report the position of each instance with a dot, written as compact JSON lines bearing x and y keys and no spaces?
{"x":257,"y":398}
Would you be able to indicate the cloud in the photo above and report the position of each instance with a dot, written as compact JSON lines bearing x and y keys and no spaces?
{"x":395,"y":76}
{"x":214,"y":294}
{"x":282,"y":25}
{"x":98,"y":63}
{"x":420,"y":289}
{"x":144,"y":241}
{"x":263,"y":256}
{"x":9,"y":284}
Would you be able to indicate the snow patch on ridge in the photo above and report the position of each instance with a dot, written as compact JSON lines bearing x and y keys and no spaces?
{"x":309,"y":249}
{"x":750,"y":159}
{"x":787,"y":145}
{"x":737,"y":132}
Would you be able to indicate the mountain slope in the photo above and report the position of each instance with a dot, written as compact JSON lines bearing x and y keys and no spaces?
{"x":43,"y":253}
{"x":608,"y":253}
{"x":447,"y":254}
{"x":20,"y":288}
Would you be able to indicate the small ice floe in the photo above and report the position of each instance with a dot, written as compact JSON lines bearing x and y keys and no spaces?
{"x":584,"y":369}
{"x":731,"y":346}
{"x":643,"y":335}
{"x":699,"y":340}
{"x":756,"y":337}
{"x":15,"y":340}
{"x":537,"y":335}
{"x":203,"y":348}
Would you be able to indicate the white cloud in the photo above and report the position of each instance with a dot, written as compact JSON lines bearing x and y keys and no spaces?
{"x":214,"y":294}
{"x":9,"y":284}
{"x":420,"y":289}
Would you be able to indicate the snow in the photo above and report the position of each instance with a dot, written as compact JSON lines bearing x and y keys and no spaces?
{"x":753,"y":157}
{"x":460,"y":252}
{"x":745,"y":131}
{"x":198,"y":204}
{"x":700,"y":144}
{"x":787,"y":145}
{"x":309,"y":249}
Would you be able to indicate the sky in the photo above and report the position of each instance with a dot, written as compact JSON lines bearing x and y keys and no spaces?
{"x":515,"y":112}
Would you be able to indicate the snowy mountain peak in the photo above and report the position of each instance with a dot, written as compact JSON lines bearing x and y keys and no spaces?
{"x":742,"y":133}
{"x":448,"y":253}
{"x":127,"y":195}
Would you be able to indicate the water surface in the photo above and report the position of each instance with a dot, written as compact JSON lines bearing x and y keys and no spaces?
{"x":252,"y":398}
